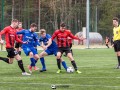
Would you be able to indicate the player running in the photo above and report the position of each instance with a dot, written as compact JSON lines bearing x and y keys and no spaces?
{"x":10,"y":38}
{"x":17,"y":44}
{"x":63,"y":46}
{"x":50,"y":48}
{"x":28,"y":48}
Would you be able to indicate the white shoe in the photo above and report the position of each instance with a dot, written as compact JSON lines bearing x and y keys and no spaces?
{"x":25,"y":74}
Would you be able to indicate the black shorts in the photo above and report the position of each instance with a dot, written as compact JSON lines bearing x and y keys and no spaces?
{"x":117,"y":45}
{"x":70,"y":45}
{"x":17,"y":45}
{"x":11,"y":52}
{"x":64,"y":49}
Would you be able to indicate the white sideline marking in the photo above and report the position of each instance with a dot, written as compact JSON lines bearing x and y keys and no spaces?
{"x":69,"y":77}
{"x":59,"y":84}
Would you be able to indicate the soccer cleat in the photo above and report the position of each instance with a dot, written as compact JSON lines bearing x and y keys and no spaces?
{"x":25,"y":74}
{"x":58,"y":71}
{"x":30,"y":68}
{"x":36,"y":68}
{"x":43,"y":70}
{"x":118,"y":67}
{"x":78,"y":71}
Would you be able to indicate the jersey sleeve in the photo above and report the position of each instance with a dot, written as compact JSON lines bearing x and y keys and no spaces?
{"x":48,"y":36}
{"x":36,"y":39}
{"x":54,"y":35}
{"x":72,"y":36}
{"x":17,"y":39}
{"x":3,"y":32}
{"x":21,"y":32}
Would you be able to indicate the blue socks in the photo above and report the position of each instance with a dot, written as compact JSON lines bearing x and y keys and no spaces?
{"x":64,"y":65}
{"x":32,"y":62}
{"x":43,"y":63}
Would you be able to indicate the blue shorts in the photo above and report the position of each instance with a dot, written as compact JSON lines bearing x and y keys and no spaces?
{"x":51,"y":51}
{"x":27,"y":50}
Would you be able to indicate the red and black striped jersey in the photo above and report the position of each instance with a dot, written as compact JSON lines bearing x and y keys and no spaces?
{"x":20,"y":36}
{"x":10,"y":36}
{"x":62,"y":37}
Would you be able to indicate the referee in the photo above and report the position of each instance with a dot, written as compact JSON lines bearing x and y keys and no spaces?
{"x":116,"y":39}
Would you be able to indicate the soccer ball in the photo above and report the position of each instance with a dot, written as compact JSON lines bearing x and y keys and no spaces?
{"x":70,"y":70}
{"x":53,"y":86}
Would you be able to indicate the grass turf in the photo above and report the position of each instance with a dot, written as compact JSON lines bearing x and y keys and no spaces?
{"x":96,"y":65}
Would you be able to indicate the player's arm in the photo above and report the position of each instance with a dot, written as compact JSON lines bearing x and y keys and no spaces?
{"x":74,"y":37}
{"x":1,"y":33}
{"x":49,"y":42}
{"x":36,"y":39}
{"x":17,"y":39}
{"x":21,"y":32}
{"x":54,"y":35}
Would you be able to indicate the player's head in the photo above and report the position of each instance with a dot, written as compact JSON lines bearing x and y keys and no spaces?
{"x":33,"y":27}
{"x":43,"y":33}
{"x":20,"y":25}
{"x":62,"y":26}
{"x":115,"y":22}
{"x":14,"y":23}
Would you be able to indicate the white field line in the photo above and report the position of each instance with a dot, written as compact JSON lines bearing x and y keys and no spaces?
{"x":60,"y":85}
{"x":67,"y":77}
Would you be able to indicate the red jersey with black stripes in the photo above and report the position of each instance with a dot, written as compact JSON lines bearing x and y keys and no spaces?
{"x":10,"y":36}
{"x":20,"y":36}
{"x":62,"y":37}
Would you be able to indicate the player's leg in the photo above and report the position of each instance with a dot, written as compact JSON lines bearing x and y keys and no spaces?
{"x":42,"y":60}
{"x":117,"y":50}
{"x":17,"y":48}
{"x":69,"y":55}
{"x":20,"y":64}
{"x":59,"y":54}
{"x":118,"y":56}
{"x":20,"y":49}
{"x":63,"y":64}
{"x":36,"y":57}
{"x":29,"y":53}
{"x":7,"y":60}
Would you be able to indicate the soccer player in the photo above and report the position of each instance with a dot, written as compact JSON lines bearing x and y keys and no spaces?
{"x":107,"y":40}
{"x":10,"y":37}
{"x":17,"y":44}
{"x":28,"y":48}
{"x":63,"y":46}
{"x":70,"y":43}
{"x":50,"y":48}
{"x":116,"y":39}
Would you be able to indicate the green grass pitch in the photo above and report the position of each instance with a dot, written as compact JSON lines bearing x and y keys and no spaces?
{"x":96,"y":65}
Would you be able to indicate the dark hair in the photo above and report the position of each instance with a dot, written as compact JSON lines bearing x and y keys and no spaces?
{"x":62,"y":24}
{"x":14,"y":20}
{"x":33,"y":25}
{"x":115,"y":18}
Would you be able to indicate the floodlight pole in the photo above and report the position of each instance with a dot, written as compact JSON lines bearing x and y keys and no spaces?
{"x":13,"y":4}
{"x":2,"y":20}
{"x":87,"y":22}
{"x":39,"y":17}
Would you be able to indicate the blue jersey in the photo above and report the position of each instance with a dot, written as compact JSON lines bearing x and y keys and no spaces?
{"x":45,"y":41}
{"x":30,"y":37}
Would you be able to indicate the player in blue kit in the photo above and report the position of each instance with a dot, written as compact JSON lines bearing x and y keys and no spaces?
{"x":50,"y":47}
{"x":29,"y":49}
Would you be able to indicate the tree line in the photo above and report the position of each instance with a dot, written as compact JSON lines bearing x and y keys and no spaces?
{"x":53,"y":12}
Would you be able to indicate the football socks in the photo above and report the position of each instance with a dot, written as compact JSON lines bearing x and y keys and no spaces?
{"x":20,"y":64}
